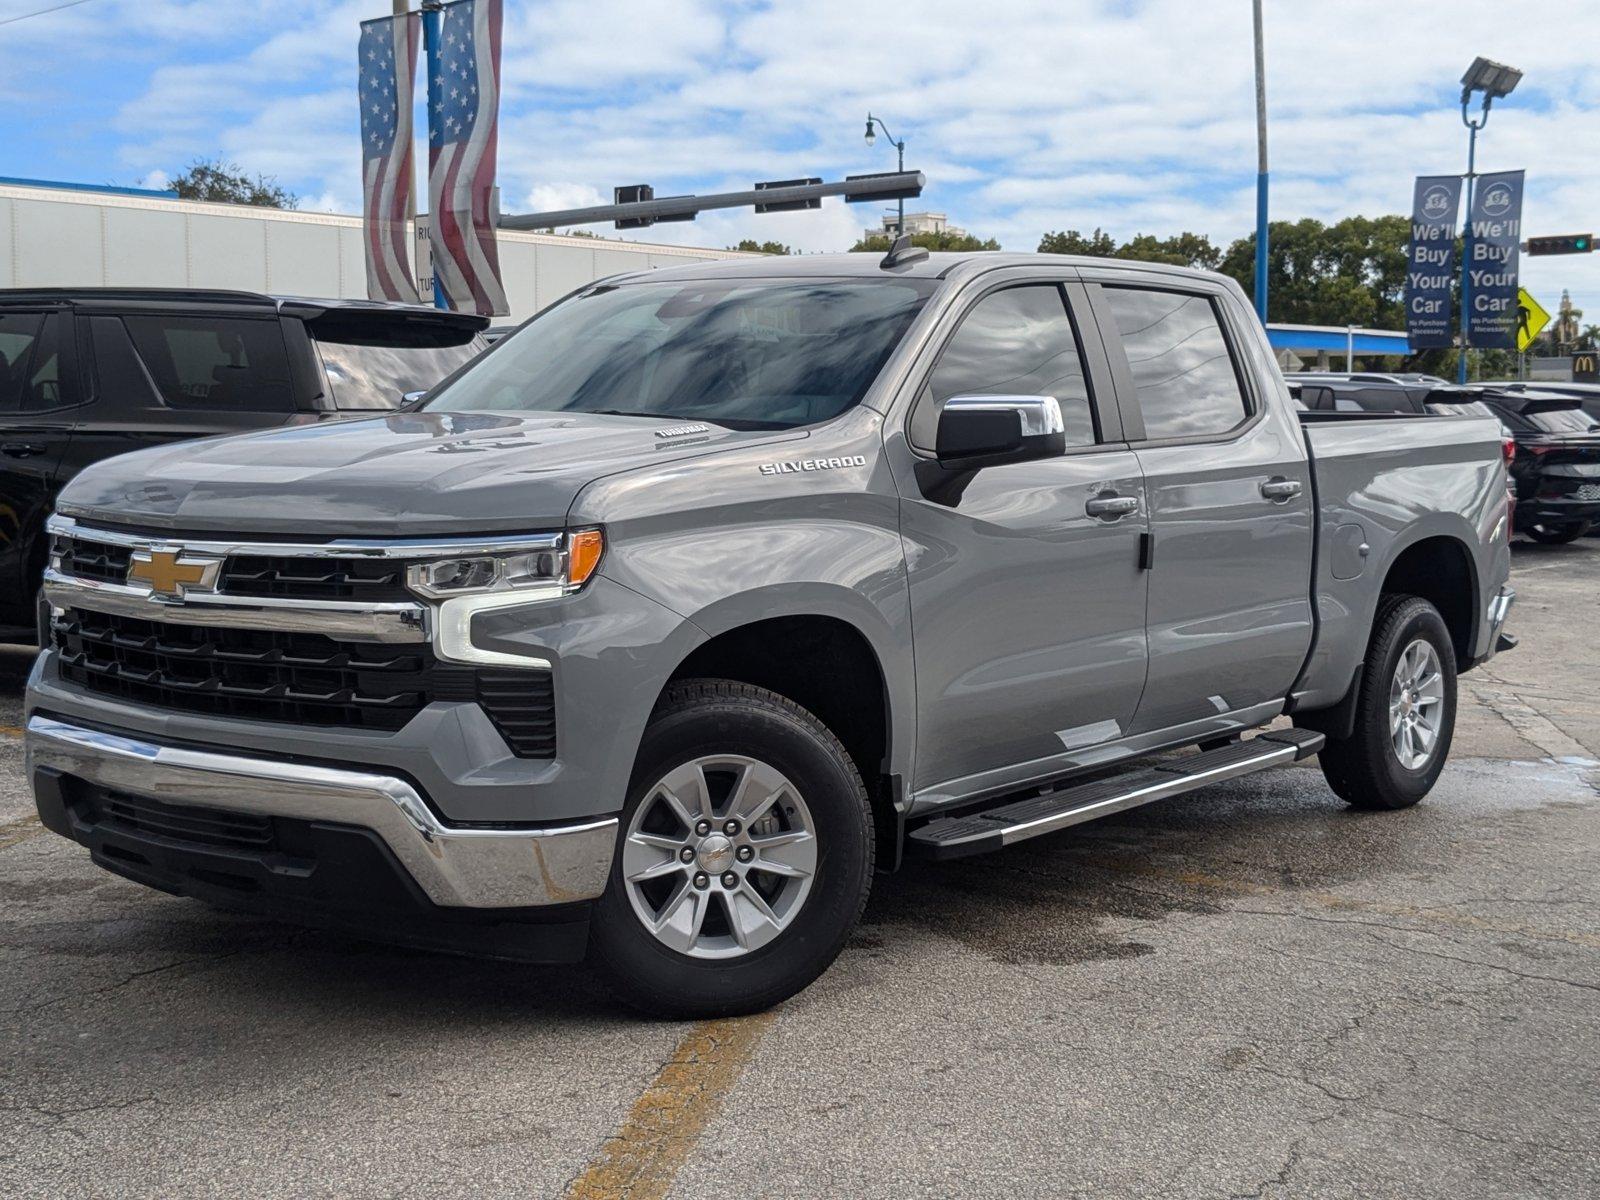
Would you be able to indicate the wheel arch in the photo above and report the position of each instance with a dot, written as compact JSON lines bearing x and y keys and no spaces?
{"x":841,"y":665}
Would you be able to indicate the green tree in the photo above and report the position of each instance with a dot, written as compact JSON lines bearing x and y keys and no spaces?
{"x":1098,"y":244}
{"x":755,"y":247}
{"x":1350,"y":273}
{"x":1184,"y":250}
{"x":225,"y":182}
{"x":879,"y":243}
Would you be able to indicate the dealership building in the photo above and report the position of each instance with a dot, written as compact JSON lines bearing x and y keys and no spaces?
{"x":67,"y":235}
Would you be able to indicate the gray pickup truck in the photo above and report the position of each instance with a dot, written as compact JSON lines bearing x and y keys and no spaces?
{"x":652,"y":632}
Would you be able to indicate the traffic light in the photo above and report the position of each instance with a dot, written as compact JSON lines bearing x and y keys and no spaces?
{"x":1566,"y":243}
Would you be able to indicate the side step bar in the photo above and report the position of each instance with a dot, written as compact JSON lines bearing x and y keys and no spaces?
{"x":978,"y":833}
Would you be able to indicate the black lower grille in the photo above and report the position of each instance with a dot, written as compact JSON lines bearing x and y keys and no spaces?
{"x":522,"y":705}
{"x":180,"y":822}
{"x":301,"y":679}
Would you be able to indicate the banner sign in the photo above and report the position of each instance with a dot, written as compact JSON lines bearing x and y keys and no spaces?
{"x":1431,"y":260}
{"x":1493,"y":234}
{"x":388,"y":67}
{"x":463,"y":44}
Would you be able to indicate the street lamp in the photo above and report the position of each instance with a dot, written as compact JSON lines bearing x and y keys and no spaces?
{"x":1494,"y":80}
{"x":900,"y":147}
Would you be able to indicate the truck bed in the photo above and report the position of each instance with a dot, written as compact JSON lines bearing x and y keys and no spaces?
{"x":1376,"y":475}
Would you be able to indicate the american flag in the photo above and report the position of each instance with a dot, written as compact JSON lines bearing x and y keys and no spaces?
{"x":463,"y":119}
{"x":388,"y":67}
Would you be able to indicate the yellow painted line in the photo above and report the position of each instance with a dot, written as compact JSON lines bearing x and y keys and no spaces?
{"x":640,"y":1161}
{"x":1333,"y":902}
{"x":19,"y":831}
{"x":10,"y":731}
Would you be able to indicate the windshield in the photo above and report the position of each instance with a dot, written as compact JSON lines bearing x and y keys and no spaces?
{"x":748,"y":354}
{"x":1466,"y":408}
{"x":376,"y":373}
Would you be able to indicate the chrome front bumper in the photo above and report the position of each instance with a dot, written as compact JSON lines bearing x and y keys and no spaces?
{"x":470,"y":867}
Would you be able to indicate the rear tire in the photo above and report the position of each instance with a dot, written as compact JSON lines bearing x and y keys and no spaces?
{"x":691,"y":925}
{"x":1405,"y":711}
{"x":1558,"y":535}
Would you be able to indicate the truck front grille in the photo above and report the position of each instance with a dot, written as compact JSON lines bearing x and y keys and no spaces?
{"x":99,"y":561}
{"x":370,"y":579}
{"x":293,"y":678}
{"x":296,"y":678}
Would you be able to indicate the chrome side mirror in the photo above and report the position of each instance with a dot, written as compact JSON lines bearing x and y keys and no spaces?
{"x":982,"y":431}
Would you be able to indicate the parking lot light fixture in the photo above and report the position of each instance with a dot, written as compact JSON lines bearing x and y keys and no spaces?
{"x":1494,"y":80}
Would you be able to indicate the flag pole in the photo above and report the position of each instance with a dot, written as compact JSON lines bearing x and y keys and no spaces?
{"x":430,"y":60}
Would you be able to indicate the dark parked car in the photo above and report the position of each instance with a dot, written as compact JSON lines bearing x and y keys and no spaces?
{"x":86,"y":374}
{"x":1587,"y":394}
{"x":1557,"y":465}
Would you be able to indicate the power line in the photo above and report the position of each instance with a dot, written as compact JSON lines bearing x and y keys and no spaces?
{"x":42,"y":11}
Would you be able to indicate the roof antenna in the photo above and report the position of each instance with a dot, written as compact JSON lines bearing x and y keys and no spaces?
{"x":903,"y":252}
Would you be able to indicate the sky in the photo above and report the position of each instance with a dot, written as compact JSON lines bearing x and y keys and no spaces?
{"x":1136,"y":116}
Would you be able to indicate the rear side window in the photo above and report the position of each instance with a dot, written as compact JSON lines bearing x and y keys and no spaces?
{"x":36,"y":374}
{"x":215,"y":363}
{"x":18,"y":333}
{"x":1185,"y":377}
{"x":1019,"y":342}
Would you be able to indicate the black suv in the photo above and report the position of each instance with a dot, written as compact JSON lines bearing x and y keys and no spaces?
{"x":85,"y":374}
{"x":1557,"y":463}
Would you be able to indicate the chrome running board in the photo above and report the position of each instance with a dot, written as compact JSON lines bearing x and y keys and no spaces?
{"x":1019,"y":820}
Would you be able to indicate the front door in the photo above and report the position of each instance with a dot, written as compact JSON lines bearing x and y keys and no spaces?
{"x":1027,"y":597}
{"x":1229,"y":609}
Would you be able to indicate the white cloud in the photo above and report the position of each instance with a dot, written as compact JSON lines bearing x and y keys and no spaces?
{"x":1027,"y":115}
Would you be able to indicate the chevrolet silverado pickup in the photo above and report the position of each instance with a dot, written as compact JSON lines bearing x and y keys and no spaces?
{"x":653,"y":632}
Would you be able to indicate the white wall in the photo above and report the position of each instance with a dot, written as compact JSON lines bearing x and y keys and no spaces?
{"x":56,"y":237}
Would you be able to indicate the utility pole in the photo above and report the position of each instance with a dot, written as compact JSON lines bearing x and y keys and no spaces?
{"x":1261,"y":165}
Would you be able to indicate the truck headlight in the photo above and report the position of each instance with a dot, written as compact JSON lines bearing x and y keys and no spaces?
{"x":555,"y":571}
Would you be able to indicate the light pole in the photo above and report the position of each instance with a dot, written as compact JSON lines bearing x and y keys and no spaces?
{"x":1261,"y":167}
{"x":1494,"y":80}
{"x":900,"y":147}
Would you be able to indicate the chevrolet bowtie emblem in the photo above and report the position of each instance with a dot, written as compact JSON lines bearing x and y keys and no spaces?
{"x":169,"y":574}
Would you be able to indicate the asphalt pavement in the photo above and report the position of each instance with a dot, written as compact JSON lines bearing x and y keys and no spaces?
{"x":1248,"y":992}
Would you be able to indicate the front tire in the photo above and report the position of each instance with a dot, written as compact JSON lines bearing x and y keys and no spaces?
{"x":1558,"y":535}
{"x":1405,"y":711}
{"x":744,"y":856}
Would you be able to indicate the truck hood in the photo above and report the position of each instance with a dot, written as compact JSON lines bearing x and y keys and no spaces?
{"x":400,"y":475}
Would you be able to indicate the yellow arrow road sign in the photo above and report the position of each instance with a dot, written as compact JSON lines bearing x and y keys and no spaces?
{"x":1531,"y":319}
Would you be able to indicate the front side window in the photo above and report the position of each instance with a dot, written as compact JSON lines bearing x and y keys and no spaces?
{"x":747,"y":354}
{"x":1182,"y":369}
{"x":1019,"y":342}
{"x":215,"y":363}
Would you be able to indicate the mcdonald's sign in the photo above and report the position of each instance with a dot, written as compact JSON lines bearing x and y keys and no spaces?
{"x":1586,"y":366}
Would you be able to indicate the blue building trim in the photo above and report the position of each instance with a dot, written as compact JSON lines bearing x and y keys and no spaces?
{"x":103,"y":188}
{"x":1335,"y":340}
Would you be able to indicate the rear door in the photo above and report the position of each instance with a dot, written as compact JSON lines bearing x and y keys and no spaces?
{"x":39,"y":387}
{"x":163,"y":376}
{"x":1228,"y":607}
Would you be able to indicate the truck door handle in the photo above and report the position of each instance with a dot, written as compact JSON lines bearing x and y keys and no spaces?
{"x":1112,"y":506}
{"x":20,"y":449}
{"x":1280,"y":490}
